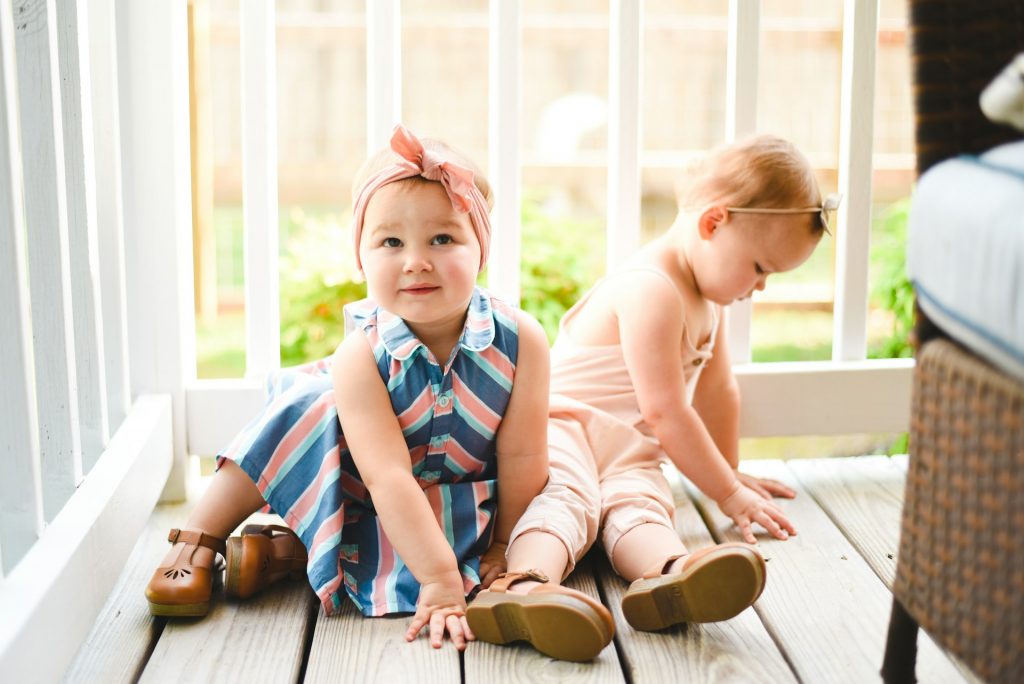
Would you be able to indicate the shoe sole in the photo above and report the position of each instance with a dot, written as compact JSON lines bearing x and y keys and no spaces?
{"x":179,"y":610}
{"x":721,"y":587}
{"x":561,"y":627}
{"x":233,"y":559}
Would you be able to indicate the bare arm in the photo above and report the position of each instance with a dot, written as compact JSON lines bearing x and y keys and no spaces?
{"x":717,"y":402}
{"x":651,"y":347}
{"x":378,"y":448}
{"x":717,"y":399}
{"x":522,"y":443}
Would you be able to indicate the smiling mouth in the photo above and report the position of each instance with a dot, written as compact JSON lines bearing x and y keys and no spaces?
{"x":420,"y":289}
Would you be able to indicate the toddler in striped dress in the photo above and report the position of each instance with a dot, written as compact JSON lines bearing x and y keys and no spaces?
{"x":386,"y":459}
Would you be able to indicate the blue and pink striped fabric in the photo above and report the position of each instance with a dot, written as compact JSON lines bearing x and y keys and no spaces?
{"x":295,"y":452}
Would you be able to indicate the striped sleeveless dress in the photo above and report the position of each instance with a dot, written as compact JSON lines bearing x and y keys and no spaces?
{"x":296,"y":454}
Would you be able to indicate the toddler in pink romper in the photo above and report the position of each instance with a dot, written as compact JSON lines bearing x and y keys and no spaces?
{"x":641,"y":379}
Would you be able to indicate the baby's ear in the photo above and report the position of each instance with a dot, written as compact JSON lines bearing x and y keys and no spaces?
{"x":709,"y":220}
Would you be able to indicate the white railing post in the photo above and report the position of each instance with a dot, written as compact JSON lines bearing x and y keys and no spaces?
{"x":153,"y":59}
{"x":856,"y":138}
{"x":503,"y":276}
{"x":383,"y":71}
{"x":21,"y":510}
{"x":741,"y":120}
{"x":106,"y":122}
{"x":259,"y":187}
{"x":624,"y":91}
{"x":48,"y":269}
{"x":80,"y":184}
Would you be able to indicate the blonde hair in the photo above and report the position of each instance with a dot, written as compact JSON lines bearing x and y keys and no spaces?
{"x":385,"y":157}
{"x":761,"y":171}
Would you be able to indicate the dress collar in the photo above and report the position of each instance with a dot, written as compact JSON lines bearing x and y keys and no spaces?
{"x":401,"y":343}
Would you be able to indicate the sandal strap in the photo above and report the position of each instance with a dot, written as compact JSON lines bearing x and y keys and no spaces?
{"x":196,"y":538}
{"x":661,"y":567}
{"x":507,"y":579}
{"x":267,"y":530}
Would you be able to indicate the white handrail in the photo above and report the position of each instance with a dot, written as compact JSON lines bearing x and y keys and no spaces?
{"x":503,"y":275}
{"x":259,"y":187}
{"x":21,"y":506}
{"x":383,"y":71}
{"x":109,"y":220}
{"x":856,"y":130}
{"x":157,"y":208}
{"x":624,"y":91}
{"x":48,"y":268}
{"x":83,"y":249}
{"x":740,"y":120}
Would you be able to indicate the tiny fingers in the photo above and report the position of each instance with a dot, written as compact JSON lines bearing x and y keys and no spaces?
{"x":746,"y":531}
{"x":454,"y":626}
{"x":436,"y":629}
{"x":418,"y":621}
{"x":779,"y":489}
{"x":466,"y":630}
{"x":773,"y":527}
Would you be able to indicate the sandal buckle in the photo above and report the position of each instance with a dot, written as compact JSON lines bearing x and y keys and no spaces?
{"x":537,"y":575}
{"x":173,"y":535}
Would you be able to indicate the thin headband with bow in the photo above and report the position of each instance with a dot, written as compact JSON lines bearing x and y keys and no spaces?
{"x":433,"y":165}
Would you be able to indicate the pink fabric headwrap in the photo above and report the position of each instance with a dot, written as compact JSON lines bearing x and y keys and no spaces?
{"x":456,"y":179}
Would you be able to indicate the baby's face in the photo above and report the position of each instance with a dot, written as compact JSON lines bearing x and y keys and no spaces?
{"x":747,"y":248}
{"x":419,"y":255}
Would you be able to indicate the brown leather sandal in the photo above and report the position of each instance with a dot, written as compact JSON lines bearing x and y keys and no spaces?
{"x":559,"y":622}
{"x":263,"y":555}
{"x":183,"y":589}
{"x":714,"y":584}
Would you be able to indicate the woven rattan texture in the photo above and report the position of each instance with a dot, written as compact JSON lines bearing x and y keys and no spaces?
{"x":960,"y":570}
{"x":957,"y":48}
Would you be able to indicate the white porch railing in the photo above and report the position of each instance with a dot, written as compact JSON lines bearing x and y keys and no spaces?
{"x":96,"y":271}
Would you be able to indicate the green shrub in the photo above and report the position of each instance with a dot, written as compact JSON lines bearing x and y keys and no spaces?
{"x":891,"y":289}
{"x":318,"y":278}
{"x":561,"y":259}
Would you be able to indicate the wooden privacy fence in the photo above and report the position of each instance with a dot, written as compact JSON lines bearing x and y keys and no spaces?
{"x":100,"y":403}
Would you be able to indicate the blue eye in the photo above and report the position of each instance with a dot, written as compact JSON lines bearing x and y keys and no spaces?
{"x":443,"y":239}
{"x":391,"y":242}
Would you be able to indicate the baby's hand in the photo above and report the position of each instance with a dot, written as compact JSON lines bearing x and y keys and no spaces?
{"x":745,"y":507}
{"x":442,"y":606}
{"x":492,"y":564}
{"x":765,"y":487}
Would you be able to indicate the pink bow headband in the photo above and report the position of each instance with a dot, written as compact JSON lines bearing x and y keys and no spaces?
{"x":432,"y":165}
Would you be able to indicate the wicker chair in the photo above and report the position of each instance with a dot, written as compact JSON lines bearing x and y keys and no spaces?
{"x":960,"y":570}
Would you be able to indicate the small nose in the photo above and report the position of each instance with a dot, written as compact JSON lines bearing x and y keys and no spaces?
{"x":761,"y":282}
{"x":416,"y":262}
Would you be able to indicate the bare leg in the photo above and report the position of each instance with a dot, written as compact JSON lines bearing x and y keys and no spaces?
{"x":537,"y":550}
{"x":642,"y":547}
{"x":231,"y":498}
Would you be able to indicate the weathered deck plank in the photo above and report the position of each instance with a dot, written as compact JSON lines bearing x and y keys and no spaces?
{"x":822,"y":618}
{"x":350,"y":648}
{"x":823,"y":604}
{"x":118,"y":645}
{"x":736,"y":650}
{"x":262,"y":639}
{"x":864,"y":497}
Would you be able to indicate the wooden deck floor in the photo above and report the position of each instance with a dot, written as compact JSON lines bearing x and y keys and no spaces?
{"x":822,"y":617}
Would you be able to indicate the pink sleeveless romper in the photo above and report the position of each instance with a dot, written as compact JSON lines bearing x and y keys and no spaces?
{"x":605,"y":463}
